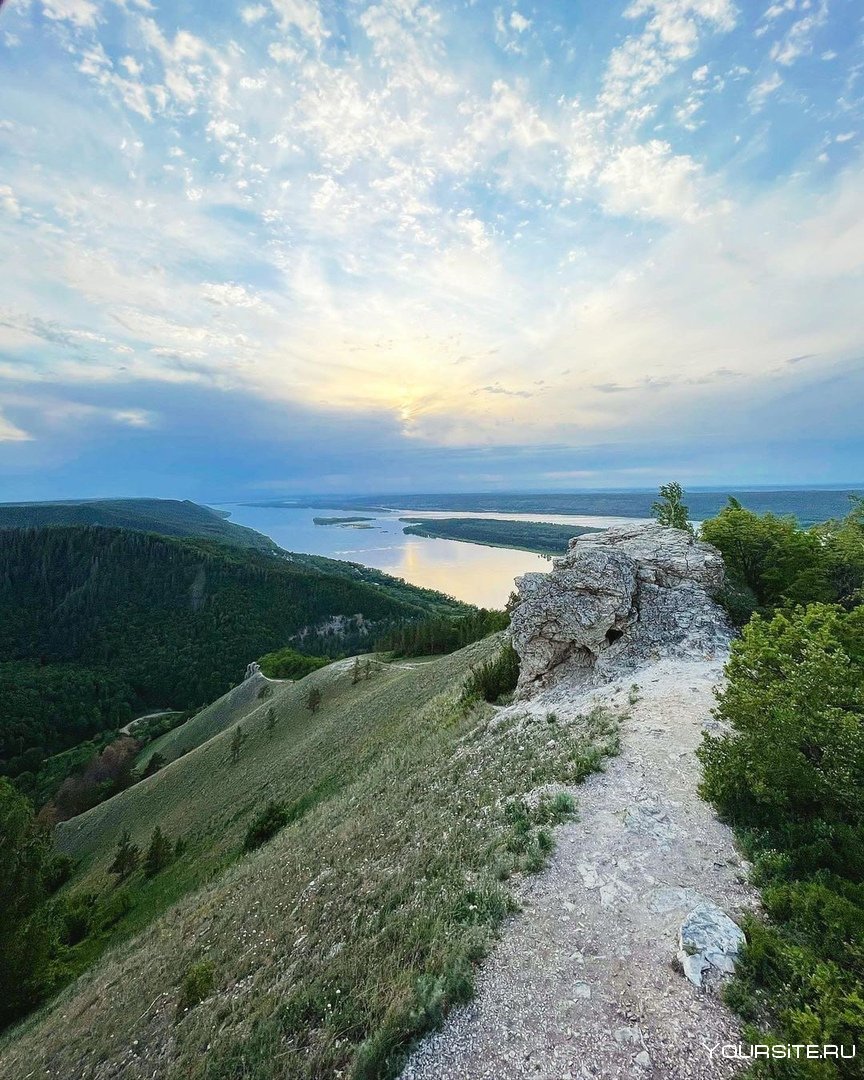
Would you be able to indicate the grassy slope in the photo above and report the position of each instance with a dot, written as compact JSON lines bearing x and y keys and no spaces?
{"x":347,"y":935}
{"x":170,"y":517}
{"x":245,"y":699}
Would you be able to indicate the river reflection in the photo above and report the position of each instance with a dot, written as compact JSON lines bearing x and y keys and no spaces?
{"x":479,"y":575}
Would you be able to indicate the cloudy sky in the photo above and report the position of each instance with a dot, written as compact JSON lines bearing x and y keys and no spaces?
{"x":331,"y":245}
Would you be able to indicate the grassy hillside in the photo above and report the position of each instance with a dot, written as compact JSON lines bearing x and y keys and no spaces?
{"x":329,"y":949}
{"x":98,"y":623}
{"x":245,"y":699}
{"x":169,"y":517}
{"x":540,"y":536}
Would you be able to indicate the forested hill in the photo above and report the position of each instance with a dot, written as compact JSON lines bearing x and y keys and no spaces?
{"x":97,"y":624}
{"x":170,"y":517}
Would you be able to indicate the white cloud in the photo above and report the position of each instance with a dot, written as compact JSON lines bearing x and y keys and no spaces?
{"x":798,"y":41}
{"x":10,"y":432}
{"x":253,"y":14}
{"x":776,"y":10}
{"x":764,"y":89}
{"x":671,"y":36}
{"x":8,"y":202}
{"x":844,"y":136}
{"x":303,"y":16}
{"x":78,"y":12}
{"x":231,"y":294}
{"x":518,"y":22}
{"x":650,"y":181}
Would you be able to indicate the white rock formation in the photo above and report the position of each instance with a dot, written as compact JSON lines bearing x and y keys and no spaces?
{"x":252,"y":669}
{"x":617,"y":599}
{"x":708,"y":944}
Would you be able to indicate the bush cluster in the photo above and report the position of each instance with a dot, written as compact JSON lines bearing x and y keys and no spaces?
{"x":789,"y":774}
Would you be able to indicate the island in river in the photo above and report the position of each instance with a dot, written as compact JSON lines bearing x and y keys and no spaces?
{"x":541,"y":537}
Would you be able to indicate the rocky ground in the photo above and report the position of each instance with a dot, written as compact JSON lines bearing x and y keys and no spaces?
{"x":584,"y":982}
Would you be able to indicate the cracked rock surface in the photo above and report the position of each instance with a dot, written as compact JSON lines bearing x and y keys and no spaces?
{"x":618,"y":599}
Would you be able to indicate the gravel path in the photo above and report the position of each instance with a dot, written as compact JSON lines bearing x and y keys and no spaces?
{"x":582,"y":983}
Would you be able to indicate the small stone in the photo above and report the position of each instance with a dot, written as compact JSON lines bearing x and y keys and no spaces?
{"x":708,"y":943}
{"x":643,"y":1059}
{"x":582,"y":990}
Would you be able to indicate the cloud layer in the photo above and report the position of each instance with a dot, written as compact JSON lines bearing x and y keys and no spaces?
{"x":426,"y":232}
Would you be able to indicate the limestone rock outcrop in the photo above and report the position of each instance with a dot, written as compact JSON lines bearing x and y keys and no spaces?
{"x":616,"y":600}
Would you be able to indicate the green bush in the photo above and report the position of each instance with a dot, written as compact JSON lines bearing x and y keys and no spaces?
{"x":793,"y":764}
{"x":494,"y":678}
{"x":287,"y":663}
{"x":771,"y":562}
{"x":116,"y":907}
{"x":197,"y":984}
{"x":789,"y":774}
{"x":265,"y":825}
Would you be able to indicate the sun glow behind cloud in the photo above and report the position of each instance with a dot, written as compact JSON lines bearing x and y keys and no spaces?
{"x":477,"y":225}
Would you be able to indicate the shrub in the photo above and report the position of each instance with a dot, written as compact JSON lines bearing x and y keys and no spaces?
{"x":264,"y":827}
{"x":197,"y":984}
{"x":77,"y":913}
{"x":115,"y":907}
{"x":287,"y":663}
{"x":493,"y":678}
{"x":790,"y":775}
{"x":771,"y":562}
{"x":793,"y":764}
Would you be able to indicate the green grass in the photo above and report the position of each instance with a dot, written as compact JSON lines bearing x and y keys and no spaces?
{"x":336,"y":944}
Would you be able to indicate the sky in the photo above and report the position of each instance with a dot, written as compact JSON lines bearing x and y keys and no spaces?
{"x":296,"y":246}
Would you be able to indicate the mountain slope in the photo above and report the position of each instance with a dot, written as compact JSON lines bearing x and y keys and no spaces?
{"x":332,"y":946}
{"x":173,"y":621}
{"x":169,"y":517}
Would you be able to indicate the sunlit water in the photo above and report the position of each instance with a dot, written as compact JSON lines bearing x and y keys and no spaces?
{"x":479,"y":575}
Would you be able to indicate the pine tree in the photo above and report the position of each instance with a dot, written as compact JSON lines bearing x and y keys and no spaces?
{"x":313,"y":700}
{"x":237,"y":743}
{"x":355,"y":671}
{"x":367,"y":669}
{"x":126,"y":857}
{"x":158,"y":854}
{"x":270,"y":722}
{"x":26,"y":930}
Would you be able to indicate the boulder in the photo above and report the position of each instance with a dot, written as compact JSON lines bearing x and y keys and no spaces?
{"x":708,"y":944}
{"x":617,"y":599}
{"x":252,"y":669}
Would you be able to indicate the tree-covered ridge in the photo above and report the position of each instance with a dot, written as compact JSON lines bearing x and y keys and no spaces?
{"x":97,"y":622}
{"x":169,"y":517}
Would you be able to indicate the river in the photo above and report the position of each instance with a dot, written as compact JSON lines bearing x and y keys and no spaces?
{"x":471,"y":572}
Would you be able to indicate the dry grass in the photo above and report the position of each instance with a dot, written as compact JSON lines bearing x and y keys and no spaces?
{"x":352,"y":932}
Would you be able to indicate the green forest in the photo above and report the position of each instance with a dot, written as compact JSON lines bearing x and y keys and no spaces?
{"x":169,"y":517}
{"x":98,"y":625}
{"x":539,"y":536}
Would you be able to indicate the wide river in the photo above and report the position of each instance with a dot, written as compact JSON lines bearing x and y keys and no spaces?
{"x":480,"y":575}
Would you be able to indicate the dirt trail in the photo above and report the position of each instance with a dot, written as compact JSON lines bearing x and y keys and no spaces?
{"x":581,"y":984}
